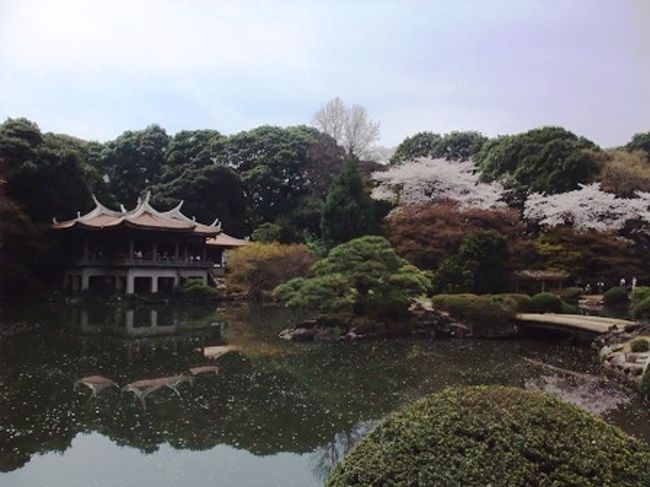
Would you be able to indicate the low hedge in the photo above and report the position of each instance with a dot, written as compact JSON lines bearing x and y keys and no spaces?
{"x":491,"y":435}
{"x":615,"y":296}
{"x":546,"y":303}
{"x":641,"y":310}
{"x":485,"y":314}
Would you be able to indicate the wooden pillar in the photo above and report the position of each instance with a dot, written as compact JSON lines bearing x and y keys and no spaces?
{"x":131,"y":246}
{"x":154,"y":284}
{"x":176,"y":250}
{"x":154,"y":251}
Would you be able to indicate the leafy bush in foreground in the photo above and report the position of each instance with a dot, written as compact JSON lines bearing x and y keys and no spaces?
{"x":499,"y":436}
{"x":615,"y":296}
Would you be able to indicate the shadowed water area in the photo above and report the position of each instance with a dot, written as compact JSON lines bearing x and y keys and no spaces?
{"x":275,"y":413}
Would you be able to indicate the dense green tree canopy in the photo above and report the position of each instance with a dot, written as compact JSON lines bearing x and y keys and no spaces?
{"x":134,"y":161}
{"x":281,"y":166}
{"x":208,"y":192}
{"x":479,"y":266}
{"x":454,"y":145}
{"x":43,"y":173}
{"x":364,"y":275}
{"x":191,"y":149}
{"x":478,"y":436}
{"x":348,"y":211}
{"x":549,"y":159}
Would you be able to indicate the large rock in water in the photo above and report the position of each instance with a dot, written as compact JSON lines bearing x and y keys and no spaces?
{"x":421,"y":322}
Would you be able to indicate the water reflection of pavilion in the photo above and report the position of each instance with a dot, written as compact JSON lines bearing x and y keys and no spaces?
{"x":141,"y":322}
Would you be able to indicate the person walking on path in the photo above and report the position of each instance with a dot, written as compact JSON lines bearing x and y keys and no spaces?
{"x":622,"y":282}
{"x":633,"y":283}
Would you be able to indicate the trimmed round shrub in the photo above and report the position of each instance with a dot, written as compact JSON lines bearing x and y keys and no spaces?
{"x":639,"y":294}
{"x":490,"y":435}
{"x":546,"y":303}
{"x":571,"y":294}
{"x":641,"y":310}
{"x":615,"y":296}
{"x":639,"y":345}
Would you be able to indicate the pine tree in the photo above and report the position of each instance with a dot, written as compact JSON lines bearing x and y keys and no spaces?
{"x":348,"y":211}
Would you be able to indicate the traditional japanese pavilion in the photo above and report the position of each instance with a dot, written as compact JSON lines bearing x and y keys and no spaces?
{"x":142,"y":250}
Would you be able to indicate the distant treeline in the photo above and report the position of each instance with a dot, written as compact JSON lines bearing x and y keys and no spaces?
{"x":267,"y":178}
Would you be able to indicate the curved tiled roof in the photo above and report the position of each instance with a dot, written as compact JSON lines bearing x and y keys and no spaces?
{"x":143,"y":216}
{"x":223,"y":240}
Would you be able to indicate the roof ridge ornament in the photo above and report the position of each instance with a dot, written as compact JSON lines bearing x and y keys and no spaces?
{"x":216,"y":222}
{"x":122,"y":209}
{"x":54,"y":220}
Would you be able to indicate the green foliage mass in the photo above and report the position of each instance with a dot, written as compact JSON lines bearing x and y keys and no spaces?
{"x":639,"y":345}
{"x":640,"y":293}
{"x":616,"y":296}
{"x":194,"y":288}
{"x":207,"y":193}
{"x":348,"y":211}
{"x":42,"y":173}
{"x":499,"y":436}
{"x":134,"y":161}
{"x":482,"y":313}
{"x":549,"y":159}
{"x":364,"y":276}
{"x":546,"y":303}
{"x":478,"y":266}
{"x":571,"y":294}
{"x":641,"y":309}
{"x":640,"y":141}
{"x":455,"y":146}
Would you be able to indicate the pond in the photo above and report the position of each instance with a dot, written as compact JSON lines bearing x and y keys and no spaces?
{"x":276,"y":413}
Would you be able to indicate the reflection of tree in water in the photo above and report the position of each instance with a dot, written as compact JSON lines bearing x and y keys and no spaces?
{"x":326,"y":457}
{"x":320,"y":398}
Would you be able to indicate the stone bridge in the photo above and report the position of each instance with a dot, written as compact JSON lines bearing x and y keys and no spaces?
{"x":593,"y":324}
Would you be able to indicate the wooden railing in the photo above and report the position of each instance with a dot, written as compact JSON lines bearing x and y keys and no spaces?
{"x":145,"y":262}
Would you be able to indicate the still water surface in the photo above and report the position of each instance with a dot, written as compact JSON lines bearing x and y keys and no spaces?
{"x":276,"y":414}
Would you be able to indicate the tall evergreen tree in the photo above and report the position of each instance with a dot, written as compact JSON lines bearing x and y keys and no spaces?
{"x":348,"y":211}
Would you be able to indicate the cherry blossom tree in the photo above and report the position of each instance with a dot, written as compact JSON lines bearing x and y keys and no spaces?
{"x":424,"y":179}
{"x":587,"y":208}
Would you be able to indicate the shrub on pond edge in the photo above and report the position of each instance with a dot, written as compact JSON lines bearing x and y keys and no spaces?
{"x":615,"y":296}
{"x":546,"y":303}
{"x":492,"y":435}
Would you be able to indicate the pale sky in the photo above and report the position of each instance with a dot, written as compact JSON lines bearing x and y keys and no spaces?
{"x":96,"y":68}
